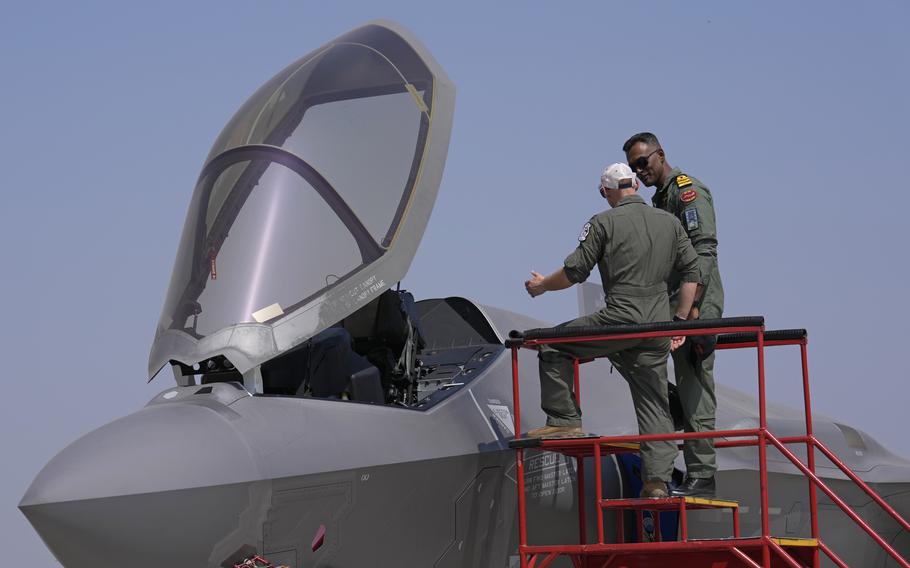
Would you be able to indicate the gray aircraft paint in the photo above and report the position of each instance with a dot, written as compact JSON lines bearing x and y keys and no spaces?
{"x":205,"y":474}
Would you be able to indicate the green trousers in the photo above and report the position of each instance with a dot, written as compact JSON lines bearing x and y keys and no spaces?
{"x":695,"y":384}
{"x":642,"y":362}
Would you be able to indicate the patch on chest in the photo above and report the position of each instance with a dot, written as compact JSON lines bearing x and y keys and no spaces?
{"x":688,"y":196}
{"x":584,"y":232}
{"x":682,"y":180}
{"x":690,"y":216}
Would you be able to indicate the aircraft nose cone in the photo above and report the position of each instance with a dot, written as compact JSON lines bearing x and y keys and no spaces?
{"x":164,"y":484}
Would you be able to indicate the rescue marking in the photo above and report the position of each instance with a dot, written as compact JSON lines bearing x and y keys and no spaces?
{"x":485,"y":420}
{"x":547,"y":474}
{"x":504,"y":416}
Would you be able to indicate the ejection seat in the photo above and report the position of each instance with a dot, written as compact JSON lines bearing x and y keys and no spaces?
{"x":323,"y":367}
{"x":371,"y":354}
{"x":387,"y":332}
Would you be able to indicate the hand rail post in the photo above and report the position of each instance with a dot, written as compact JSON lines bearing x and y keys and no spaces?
{"x":519,"y":463}
{"x":762,"y":449}
{"x":577,"y":385}
{"x":598,"y":493}
{"x":810,"y":451}
{"x":582,"y":513}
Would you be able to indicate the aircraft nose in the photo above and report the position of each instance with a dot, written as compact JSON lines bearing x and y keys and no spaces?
{"x":163,"y":483}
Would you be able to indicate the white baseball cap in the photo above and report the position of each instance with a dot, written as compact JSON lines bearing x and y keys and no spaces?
{"x":617,"y":176}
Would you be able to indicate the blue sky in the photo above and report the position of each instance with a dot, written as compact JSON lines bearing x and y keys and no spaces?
{"x":794,"y":114}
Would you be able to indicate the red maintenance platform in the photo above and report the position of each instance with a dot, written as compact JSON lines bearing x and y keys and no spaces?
{"x":759,"y":550}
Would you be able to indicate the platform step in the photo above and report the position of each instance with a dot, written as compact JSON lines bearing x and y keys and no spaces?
{"x":754,"y":541}
{"x":669,"y":503}
{"x":810,"y":542}
{"x":698,"y":553}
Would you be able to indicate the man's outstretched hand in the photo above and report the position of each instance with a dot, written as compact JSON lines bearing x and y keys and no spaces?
{"x":534,"y":286}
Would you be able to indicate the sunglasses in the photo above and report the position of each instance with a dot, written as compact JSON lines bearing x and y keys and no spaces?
{"x":642,"y":162}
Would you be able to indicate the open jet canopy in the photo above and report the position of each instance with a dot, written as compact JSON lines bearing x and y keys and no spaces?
{"x":312,"y":201}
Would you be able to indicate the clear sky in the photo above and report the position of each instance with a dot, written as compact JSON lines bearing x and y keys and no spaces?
{"x":795,"y":114}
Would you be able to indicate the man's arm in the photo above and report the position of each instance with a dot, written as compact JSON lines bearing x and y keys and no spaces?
{"x":538,"y":284}
{"x":577,"y":265}
{"x":696,"y":214}
{"x":688,"y":267}
{"x":695,"y":312}
{"x":686,"y":299}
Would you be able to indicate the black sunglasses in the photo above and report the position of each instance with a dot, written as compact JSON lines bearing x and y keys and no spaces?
{"x":642,"y":162}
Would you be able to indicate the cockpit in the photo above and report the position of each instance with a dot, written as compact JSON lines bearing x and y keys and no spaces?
{"x":305,"y":216}
{"x":386,"y":353}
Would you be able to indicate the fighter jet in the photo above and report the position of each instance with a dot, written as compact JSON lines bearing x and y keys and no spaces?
{"x":320,"y":416}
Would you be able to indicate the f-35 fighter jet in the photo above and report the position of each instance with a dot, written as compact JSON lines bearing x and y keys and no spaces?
{"x":322,"y":417}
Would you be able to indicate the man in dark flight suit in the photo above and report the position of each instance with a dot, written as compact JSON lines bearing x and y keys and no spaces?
{"x":691,"y":202}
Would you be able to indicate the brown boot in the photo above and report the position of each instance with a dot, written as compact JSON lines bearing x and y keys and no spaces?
{"x":654,"y":489}
{"x":556,"y":432}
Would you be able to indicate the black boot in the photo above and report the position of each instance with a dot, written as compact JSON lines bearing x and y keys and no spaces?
{"x":695,"y":487}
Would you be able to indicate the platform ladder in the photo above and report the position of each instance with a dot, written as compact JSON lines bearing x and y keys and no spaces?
{"x":759,"y":551}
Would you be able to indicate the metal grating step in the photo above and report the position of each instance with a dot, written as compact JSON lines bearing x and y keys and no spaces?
{"x":669,"y":503}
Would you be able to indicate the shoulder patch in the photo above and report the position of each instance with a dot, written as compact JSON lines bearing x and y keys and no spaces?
{"x":691,"y":218}
{"x":584,"y":232}
{"x":682,"y":180}
{"x":688,"y":196}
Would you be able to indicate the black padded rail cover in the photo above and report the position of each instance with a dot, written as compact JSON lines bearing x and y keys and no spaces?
{"x":775,"y":335}
{"x":524,"y":443}
{"x":518,"y":337}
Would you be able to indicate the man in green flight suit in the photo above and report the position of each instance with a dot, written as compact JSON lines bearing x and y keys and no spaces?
{"x":636,"y":248}
{"x":691,"y":202}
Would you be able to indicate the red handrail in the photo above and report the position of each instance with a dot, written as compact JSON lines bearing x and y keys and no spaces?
{"x":744,"y":557}
{"x":837,"y":500}
{"x":862,"y":484}
{"x":761,"y":437}
{"x":782,"y":554}
{"x":834,"y":557}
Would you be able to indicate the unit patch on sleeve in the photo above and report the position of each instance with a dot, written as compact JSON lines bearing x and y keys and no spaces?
{"x":682,"y":180}
{"x":688,"y":196}
{"x":691,"y":217}
{"x":584,"y":232}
